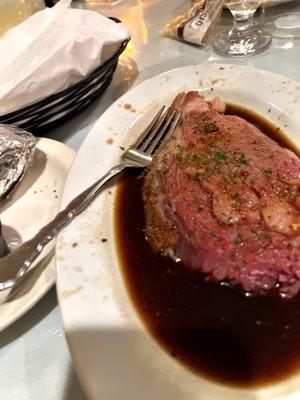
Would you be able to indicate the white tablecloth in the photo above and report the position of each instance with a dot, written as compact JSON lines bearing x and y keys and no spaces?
{"x":35,"y":363}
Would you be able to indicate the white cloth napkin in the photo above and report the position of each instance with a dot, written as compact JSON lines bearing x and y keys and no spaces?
{"x":52,"y":50}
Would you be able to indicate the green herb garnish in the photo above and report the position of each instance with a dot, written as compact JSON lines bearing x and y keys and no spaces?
{"x":239,"y":240}
{"x":268,"y":170}
{"x":219,"y":156}
{"x":207,"y":173}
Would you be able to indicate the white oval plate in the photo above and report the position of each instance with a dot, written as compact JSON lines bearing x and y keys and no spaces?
{"x":114,"y":355}
{"x":34,"y":203}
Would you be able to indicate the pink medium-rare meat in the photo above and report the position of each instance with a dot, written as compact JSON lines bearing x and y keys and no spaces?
{"x":225,"y":199}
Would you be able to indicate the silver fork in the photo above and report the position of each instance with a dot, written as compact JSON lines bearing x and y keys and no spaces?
{"x":13,"y":267}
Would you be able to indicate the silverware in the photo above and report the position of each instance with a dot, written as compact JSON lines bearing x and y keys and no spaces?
{"x":14,"y":266}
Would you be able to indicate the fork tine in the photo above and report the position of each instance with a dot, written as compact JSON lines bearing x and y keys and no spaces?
{"x":172,"y":127}
{"x":152,"y":132}
{"x":140,"y":140}
{"x":162,"y":126}
{"x":159,"y":134}
{"x":156,"y":129}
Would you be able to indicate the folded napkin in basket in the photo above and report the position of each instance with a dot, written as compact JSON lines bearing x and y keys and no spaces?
{"x":52,"y":50}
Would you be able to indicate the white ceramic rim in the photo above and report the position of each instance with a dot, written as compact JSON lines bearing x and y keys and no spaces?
{"x":43,"y":278}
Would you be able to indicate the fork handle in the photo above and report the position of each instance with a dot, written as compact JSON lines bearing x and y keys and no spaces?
{"x":22,"y":257}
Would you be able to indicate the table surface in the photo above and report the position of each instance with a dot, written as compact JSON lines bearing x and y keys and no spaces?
{"x":35,"y":361}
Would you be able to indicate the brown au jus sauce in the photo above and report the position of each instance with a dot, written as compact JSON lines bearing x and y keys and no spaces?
{"x":214,"y":330}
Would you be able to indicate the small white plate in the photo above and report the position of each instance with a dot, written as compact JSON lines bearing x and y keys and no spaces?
{"x":34,"y":203}
{"x":115,"y":356}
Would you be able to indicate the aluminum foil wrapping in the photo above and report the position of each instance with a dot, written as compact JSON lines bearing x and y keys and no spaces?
{"x":195,"y":23}
{"x":17,"y":149}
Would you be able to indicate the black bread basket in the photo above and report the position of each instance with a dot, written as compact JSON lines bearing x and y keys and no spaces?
{"x":55,"y":109}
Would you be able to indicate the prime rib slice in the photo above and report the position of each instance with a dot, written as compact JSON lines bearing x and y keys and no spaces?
{"x":224,"y":198}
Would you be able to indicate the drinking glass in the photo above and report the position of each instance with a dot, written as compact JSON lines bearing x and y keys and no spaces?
{"x":284,"y":20}
{"x":244,"y":38}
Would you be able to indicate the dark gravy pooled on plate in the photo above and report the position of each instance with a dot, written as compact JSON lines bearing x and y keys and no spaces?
{"x":214,"y":330}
